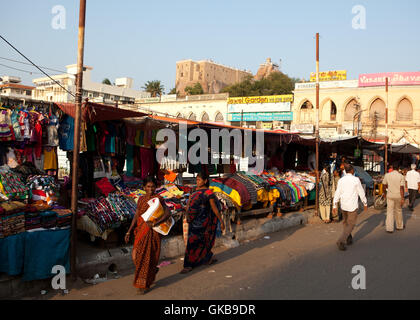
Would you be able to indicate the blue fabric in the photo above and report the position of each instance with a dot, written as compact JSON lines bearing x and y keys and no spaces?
{"x":11,"y":254}
{"x":34,"y":254}
{"x":66,"y":134}
{"x":364,"y":176}
{"x":43,"y":250}
{"x":110,"y":139}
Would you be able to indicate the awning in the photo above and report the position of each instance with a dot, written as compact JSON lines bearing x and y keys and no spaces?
{"x":405,"y":148}
{"x":94,"y":112}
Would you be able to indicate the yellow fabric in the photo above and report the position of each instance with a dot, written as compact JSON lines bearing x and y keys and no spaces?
{"x":50,"y":159}
{"x":236,"y":198}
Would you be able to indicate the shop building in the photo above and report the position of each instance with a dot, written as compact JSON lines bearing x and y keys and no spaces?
{"x":121,"y":92}
{"x":358,"y":107}
{"x":208,"y":107}
{"x":262,"y":112}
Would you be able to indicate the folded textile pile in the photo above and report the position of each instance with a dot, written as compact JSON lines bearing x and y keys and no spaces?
{"x":12,"y":224}
{"x":48,"y":219}
{"x":32,"y":220}
{"x":64,"y":217}
{"x":43,"y":188}
{"x":12,"y":187}
{"x":109,"y":212}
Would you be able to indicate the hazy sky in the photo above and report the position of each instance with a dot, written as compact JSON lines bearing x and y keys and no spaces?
{"x":144,"y":39}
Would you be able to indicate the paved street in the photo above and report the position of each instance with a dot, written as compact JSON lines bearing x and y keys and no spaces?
{"x":299,"y":263}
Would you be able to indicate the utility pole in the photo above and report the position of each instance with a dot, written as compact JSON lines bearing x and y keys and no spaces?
{"x":76,"y":141}
{"x":317,"y":128}
{"x":386,"y":126}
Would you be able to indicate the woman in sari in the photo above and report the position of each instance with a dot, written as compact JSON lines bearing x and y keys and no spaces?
{"x":146,"y":249}
{"x":202,"y":217}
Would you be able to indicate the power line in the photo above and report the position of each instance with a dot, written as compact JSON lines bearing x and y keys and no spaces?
{"x":30,"y":72}
{"x":37,"y":66}
{"x":31,"y":64}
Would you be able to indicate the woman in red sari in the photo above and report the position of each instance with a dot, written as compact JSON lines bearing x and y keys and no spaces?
{"x":146,"y":249}
{"x":202,"y":217}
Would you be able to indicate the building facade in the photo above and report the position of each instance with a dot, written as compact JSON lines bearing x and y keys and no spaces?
{"x":11,"y":88}
{"x":352,"y":107}
{"x":121,"y":92}
{"x":213,"y":77}
{"x":209,"y":107}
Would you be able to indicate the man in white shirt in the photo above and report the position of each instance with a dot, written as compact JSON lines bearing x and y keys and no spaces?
{"x":394,"y":191}
{"x":349,"y":189}
{"x":412,"y":182}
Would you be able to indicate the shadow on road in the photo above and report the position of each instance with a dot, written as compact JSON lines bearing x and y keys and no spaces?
{"x":232,"y":253}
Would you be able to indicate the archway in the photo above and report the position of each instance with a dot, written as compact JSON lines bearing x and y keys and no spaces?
{"x":219,"y":117}
{"x":404,"y":110}
{"x":351,"y":109}
{"x":306,"y":112}
{"x":192,"y":116}
{"x":205,"y":117}
{"x":377,"y":110}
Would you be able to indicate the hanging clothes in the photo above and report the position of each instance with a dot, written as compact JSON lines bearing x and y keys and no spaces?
{"x":66,"y":133}
{"x":147,"y":161}
{"x":50,"y":159}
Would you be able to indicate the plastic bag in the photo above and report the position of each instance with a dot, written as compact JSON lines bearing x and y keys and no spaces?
{"x":155,"y":212}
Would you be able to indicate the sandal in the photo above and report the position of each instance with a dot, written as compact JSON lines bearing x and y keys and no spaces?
{"x":186,"y":270}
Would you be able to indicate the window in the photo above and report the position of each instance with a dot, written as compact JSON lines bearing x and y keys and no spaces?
{"x":351,"y":109}
{"x":219,"y":117}
{"x":306,"y":112}
{"x":333,"y":112}
{"x":377,"y":110}
{"x":405,"y":110}
{"x":205,"y":117}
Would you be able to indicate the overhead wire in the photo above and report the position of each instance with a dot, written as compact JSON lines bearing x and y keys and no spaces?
{"x":28,"y":64}
{"x":59,"y":84}
{"x":17,"y":69}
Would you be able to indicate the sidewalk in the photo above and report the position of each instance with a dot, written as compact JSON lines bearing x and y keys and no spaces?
{"x":93,"y":261}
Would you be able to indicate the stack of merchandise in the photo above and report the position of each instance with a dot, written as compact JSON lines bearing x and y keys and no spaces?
{"x":13,"y":224}
{"x":109,"y":212}
{"x":48,"y":219}
{"x":43,"y":188}
{"x":12,"y":187}
{"x":64,"y":217}
{"x":32,"y":219}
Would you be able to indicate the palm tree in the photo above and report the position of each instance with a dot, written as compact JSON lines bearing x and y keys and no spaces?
{"x":154,"y":87}
{"x":106,"y":81}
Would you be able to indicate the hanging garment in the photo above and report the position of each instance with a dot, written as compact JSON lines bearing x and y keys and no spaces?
{"x":50,"y":159}
{"x":5,"y":126}
{"x":91,"y":137}
{"x":83,"y":144}
{"x":130,"y":160}
{"x":66,"y":134}
{"x":147,"y":160}
{"x":52,"y":131}
{"x":110,"y":138}
{"x":14,"y":118}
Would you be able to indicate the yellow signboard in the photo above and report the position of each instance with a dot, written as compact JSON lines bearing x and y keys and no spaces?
{"x":330,"y":75}
{"x":261,"y":99}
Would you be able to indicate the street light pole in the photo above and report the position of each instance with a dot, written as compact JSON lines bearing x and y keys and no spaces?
{"x":317,"y":128}
{"x":76,"y":139}
{"x":386,"y":126}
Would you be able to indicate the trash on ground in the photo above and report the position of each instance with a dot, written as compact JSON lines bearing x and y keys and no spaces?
{"x":211,"y":271}
{"x":43,"y":292}
{"x":96,"y":279}
{"x":228,"y":276}
{"x":84,"y":294}
{"x":229,"y":243}
{"x":267,"y":237}
{"x":182,"y":259}
{"x":164,"y":264}
{"x":66,"y":291}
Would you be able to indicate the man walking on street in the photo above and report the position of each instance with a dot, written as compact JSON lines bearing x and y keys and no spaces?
{"x":394,"y":192}
{"x":349,"y":189}
{"x":412,"y":180}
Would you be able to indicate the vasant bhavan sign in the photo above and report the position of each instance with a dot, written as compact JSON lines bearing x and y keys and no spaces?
{"x":395,"y":79}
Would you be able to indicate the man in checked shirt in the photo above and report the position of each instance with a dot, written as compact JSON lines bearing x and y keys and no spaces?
{"x":349,"y":189}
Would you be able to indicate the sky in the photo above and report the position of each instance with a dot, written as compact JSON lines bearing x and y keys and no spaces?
{"x":144,"y":39}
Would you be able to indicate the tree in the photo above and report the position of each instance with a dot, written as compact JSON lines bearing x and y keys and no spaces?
{"x":275,"y":84}
{"x":106,"y":81}
{"x":173,"y":91}
{"x":196,"y":89}
{"x":154,"y":87}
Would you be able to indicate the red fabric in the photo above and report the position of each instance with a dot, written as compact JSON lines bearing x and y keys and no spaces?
{"x":105,"y":186}
{"x":94,"y":112}
{"x":37,"y":138}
